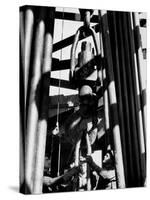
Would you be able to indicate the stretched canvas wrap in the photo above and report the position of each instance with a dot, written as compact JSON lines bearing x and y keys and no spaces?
{"x":82,"y":99}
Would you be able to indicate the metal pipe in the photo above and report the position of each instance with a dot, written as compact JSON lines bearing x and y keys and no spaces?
{"x":139,"y":58}
{"x":106,"y":104}
{"x":29,"y":21}
{"x":113,"y":102}
{"x":44,"y":95}
{"x":115,"y":57}
{"x":129,"y":80}
{"x":125,"y":112}
{"x":89,"y":151}
{"x":137,"y":99}
{"x":22,"y":37}
{"x":42,"y":123}
{"x":73,"y":50}
{"x":33,"y":112}
{"x":102,"y":73}
{"x":137,"y":85}
{"x":22,"y":110}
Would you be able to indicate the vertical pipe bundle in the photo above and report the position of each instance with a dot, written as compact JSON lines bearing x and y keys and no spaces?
{"x":115,"y":58}
{"x":123,"y":98}
{"x":37,"y":57}
{"x":127,"y":85}
{"x":138,"y":114}
{"x":113,"y":101}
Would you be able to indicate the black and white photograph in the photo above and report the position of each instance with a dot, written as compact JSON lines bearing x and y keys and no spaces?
{"x":83,"y":109}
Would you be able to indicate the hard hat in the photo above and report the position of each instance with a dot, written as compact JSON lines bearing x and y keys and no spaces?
{"x":85,"y":90}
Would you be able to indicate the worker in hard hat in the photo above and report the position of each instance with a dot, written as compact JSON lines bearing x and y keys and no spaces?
{"x":107,"y":177}
{"x":86,"y":119}
{"x":88,"y":101}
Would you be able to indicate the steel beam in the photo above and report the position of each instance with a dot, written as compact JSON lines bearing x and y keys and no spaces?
{"x":73,"y":16}
{"x":60,"y":64}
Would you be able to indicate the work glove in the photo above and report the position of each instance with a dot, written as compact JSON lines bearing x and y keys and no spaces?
{"x":92,"y":164}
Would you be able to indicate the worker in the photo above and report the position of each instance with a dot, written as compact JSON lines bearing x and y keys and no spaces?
{"x":84,"y":119}
{"x":107,"y":178}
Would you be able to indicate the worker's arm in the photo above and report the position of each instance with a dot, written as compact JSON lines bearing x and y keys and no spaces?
{"x":60,"y":179}
{"x":93,"y":165}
